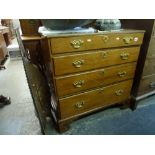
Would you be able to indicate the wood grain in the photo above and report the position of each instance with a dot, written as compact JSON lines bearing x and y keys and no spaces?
{"x":95,"y":98}
{"x":92,"y":42}
{"x":102,"y":77}
{"x":93,"y":60}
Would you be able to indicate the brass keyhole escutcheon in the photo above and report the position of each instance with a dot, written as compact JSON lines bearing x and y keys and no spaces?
{"x":124,"y":56}
{"x":128,"y":40}
{"x":77,"y":43}
{"x":78,"y":63}
{"x":103,"y":72}
{"x":119,"y":92}
{"x":122,"y":74}
{"x":104,"y":54}
{"x":78,"y":84}
{"x":105,"y":38}
{"x":79,"y":105}
{"x":101,"y":90}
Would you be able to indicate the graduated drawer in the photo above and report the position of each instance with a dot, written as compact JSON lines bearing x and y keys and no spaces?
{"x":91,"y":42}
{"x":72,"y":63}
{"x":97,"y":98}
{"x":147,"y":84}
{"x":101,"y":77}
{"x":149,"y":67}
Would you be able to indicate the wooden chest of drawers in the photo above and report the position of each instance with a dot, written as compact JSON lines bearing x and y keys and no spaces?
{"x":87,"y":72}
{"x":147,"y":83}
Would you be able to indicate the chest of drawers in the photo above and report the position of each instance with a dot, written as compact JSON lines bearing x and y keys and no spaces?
{"x":147,"y":83}
{"x":88,"y":72}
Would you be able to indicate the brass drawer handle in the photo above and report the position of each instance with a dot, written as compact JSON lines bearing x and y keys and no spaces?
{"x":152,"y":85}
{"x":78,"y":63}
{"x":78,"y":84}
{"x":119,"y":92}
{"x":79,"y":105}
{"x":122,"y":74}
{"x":127,"y":40}
{"x":105,"y":38}
{"x":124,"y":56}
{"x":104,"y":54}
{"x":77,"y":43}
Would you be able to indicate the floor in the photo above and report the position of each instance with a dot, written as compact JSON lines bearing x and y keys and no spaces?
{"x":19,"y":117}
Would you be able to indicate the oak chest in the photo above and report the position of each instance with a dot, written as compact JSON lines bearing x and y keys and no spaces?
{"x":89,"y":71}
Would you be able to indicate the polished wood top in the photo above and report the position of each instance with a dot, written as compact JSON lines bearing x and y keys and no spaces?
{"x":29,"y":38}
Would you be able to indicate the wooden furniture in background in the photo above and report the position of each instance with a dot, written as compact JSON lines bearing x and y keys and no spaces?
{"x":10,"y":34}
{"x":144,"y":76}
{"x":88,"y":72}
{"x":3,"y":47}
{"x":9,"y":23}
{"x":38,"y":87}
{"x":5,"y":31}
{"x":147,"y":84}
{"x":33,"y":48}
{"x":31,"y":39}
{"x":30,"y":27}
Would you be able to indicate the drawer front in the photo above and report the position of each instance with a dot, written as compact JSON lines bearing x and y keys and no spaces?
{"x":102,"y":77}
{"x":91,"y":42}
{"x":94,"y":60}
{"x":147,"y":84}
{"x":152,"y":43}
{"x":97,"y":98}
{"x":151,"y":49}
{"x":149,"y":67}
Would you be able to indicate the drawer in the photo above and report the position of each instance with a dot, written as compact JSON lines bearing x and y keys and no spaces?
{"x":102,"y":77}
{"x":151,"y":49}
{"x":91,"y":42}
{"x":149,"y":67}
{"x":152,"y":43}
{"x":72,"y":63}
{"x":151,"y":54}
{"x":102,"y":97}
{"x":147,"y":84}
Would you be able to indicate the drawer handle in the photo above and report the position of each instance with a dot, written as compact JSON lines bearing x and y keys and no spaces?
{"x":124,"y":56}
{"x":78,"y":63}
{"x":78,"y":84}
{"x":152,"y":85}
{"x":104,"y":54}
{"x":119,"y":92}
{"x":79,"y":105}
{"x":127,"y":40}
{"x":122,"y":74}
{"x":105,"y":38}
{"x":77,"y":43}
